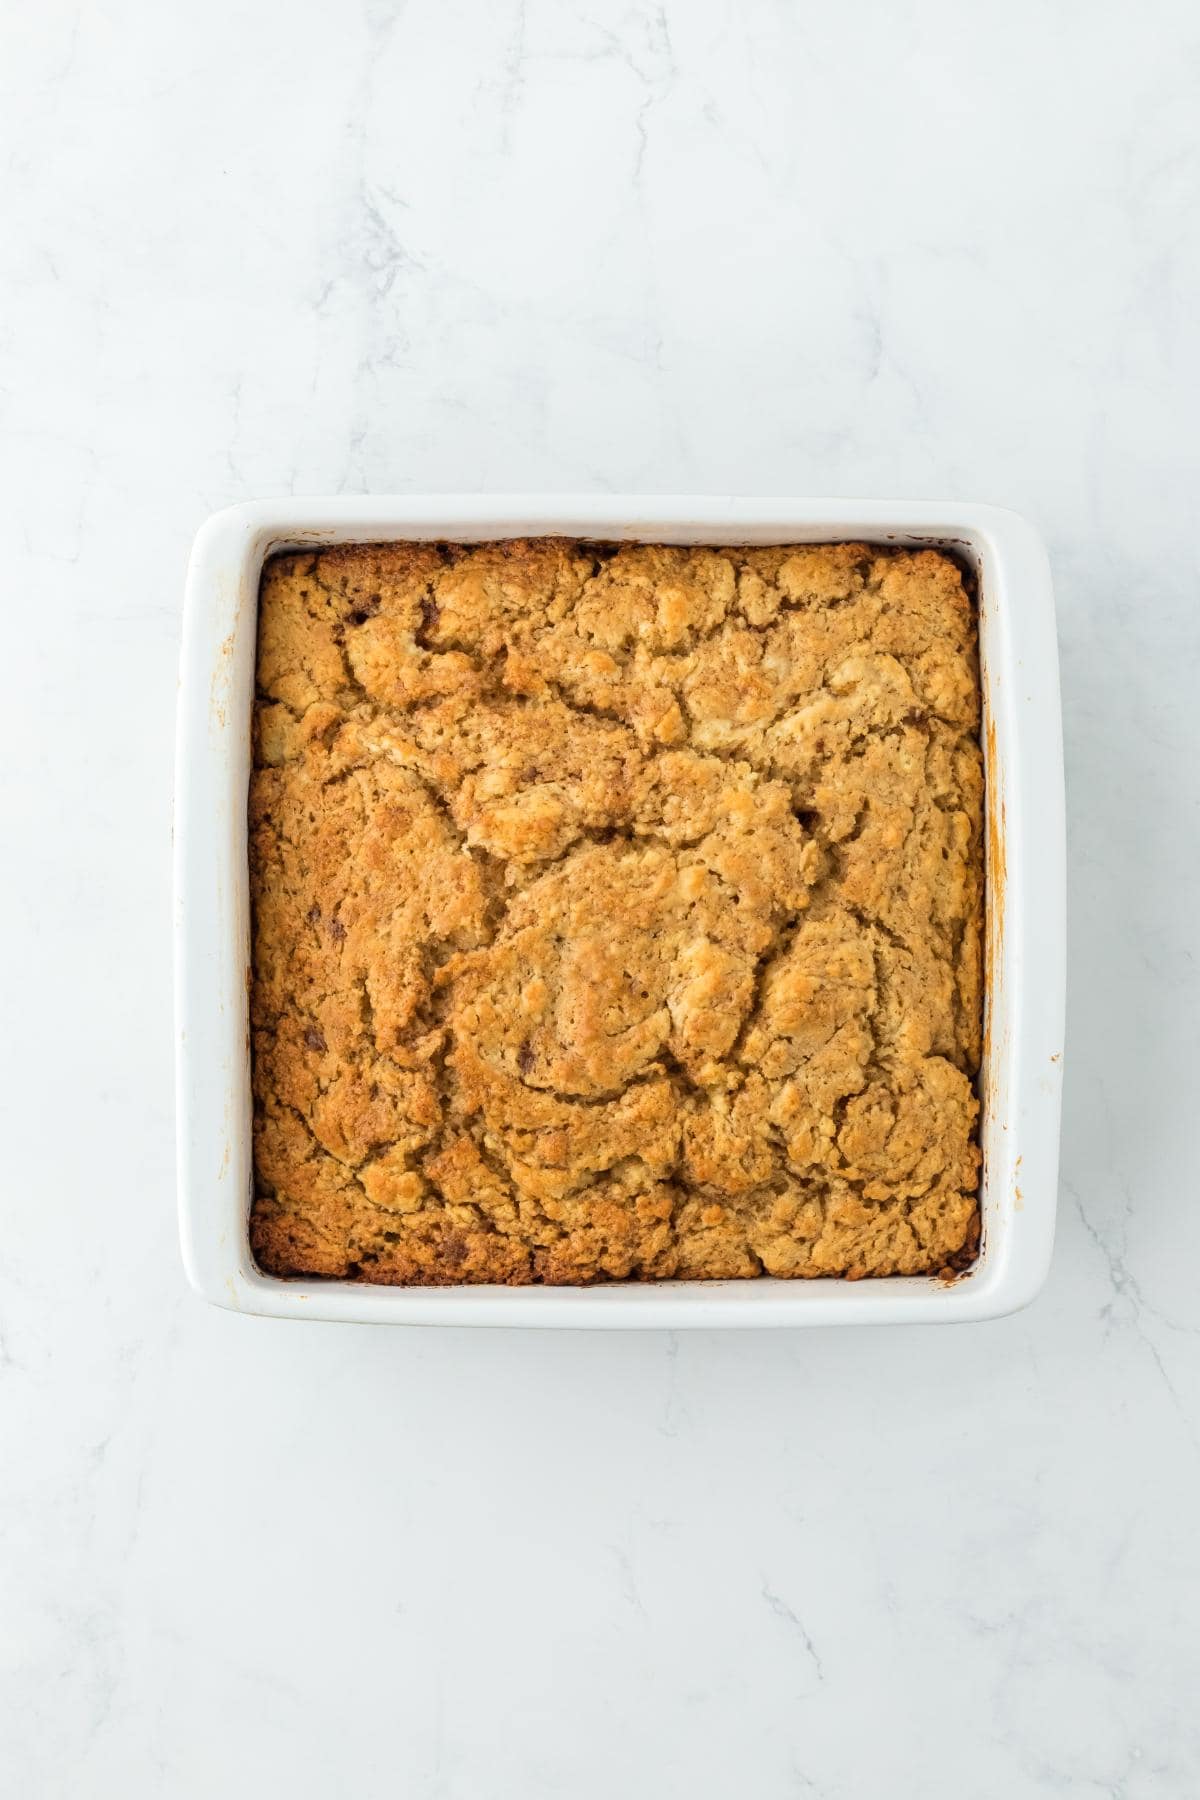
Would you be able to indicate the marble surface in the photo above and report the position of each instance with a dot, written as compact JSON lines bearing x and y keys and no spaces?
{"x":910,"y":248}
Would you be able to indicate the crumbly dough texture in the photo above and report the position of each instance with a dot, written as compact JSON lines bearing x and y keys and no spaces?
{"x":617,"y":913}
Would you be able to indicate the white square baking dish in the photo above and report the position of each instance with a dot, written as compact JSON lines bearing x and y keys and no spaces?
{"x":1020,"y":1083}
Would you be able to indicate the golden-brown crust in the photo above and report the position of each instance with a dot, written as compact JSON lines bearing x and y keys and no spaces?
{"x":617,"y":913}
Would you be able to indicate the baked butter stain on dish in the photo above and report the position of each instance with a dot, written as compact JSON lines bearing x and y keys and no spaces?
{"x":617,"y":913}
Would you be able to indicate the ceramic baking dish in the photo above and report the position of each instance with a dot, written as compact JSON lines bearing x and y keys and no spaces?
{"x":1021,"y":1077}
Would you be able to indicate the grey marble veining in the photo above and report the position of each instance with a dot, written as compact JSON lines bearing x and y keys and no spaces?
{"x":900,"y":249}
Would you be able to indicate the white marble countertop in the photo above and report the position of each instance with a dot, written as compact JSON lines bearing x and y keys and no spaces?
{"x":902,"y":249}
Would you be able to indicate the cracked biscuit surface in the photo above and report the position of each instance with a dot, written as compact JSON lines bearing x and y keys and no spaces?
{"x":617,"y":913}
